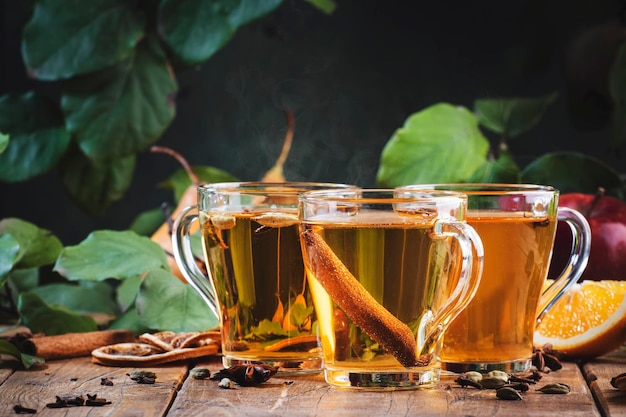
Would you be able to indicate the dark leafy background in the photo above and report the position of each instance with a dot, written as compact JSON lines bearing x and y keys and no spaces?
{"x":352,"y":78}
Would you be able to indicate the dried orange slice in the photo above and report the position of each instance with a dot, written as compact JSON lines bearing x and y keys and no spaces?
{"x":588,"y":321}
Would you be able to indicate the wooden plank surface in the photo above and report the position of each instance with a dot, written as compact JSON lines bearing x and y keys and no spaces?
{"x":176,"y":394}
{"x":35,"y":388}
{"x":4,"y":374}
{"x":598,"y":375}
{"x":311,"y":396}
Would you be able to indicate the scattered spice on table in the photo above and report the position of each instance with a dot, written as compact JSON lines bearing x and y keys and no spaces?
{"x":508,"y":393}
{"x":200,"y":373}
{"x":546,"y":359}
{"x":77,"y":401}
{"x":68,"y":345}
{"x":246,"y":375}
{"x":619,"y":382}
{"x":106,"y":382}
{"x":19,"y":409}
{"x":143,"y":377}
{"x":508,"y":386}
{"x":226,"y":383}
{"x":555,"y":388}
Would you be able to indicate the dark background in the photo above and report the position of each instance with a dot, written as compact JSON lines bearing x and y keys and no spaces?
{"x":351,"y":79}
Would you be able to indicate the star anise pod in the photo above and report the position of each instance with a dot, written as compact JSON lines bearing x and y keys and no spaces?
{"x":546,"y":359}
{"x":246,"y":375}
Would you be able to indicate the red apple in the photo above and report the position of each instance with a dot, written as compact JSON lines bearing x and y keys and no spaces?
{"x":607,"y":219}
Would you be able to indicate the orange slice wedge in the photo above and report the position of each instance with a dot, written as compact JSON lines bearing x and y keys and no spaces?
{"x":587,"y":322}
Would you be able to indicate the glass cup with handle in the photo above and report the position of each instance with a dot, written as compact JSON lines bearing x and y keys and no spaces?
{"x":256,"y":284}
{"x":388,"y":270}
{"x":517,"y":225}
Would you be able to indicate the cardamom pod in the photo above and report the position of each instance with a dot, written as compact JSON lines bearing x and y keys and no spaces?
{"x":619,"y":382}
{"x":225,"y":383}
{"x":499,"y":374}
{"x":492,"y":382}
{"x":473,"y":376}
{"x":508,"y":393}
{"x":200,"y":373}
{"x":134,"y":375}
{"x":555,"y":388}
{"x":143,"y":377}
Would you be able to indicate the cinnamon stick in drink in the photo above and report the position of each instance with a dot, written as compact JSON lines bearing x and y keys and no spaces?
{"x":374,"y":319}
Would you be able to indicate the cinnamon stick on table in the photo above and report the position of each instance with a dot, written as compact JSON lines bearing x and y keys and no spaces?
{"x":71,"y":345}
{"x":363,"y":309}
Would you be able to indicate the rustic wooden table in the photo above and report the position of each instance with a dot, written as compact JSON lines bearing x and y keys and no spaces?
{"x":177,"y":394}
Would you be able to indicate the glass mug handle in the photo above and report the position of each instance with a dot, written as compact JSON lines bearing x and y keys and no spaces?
{"x":579,"y":255}
{"x":472,"y":255}
{"x":181,"y":243}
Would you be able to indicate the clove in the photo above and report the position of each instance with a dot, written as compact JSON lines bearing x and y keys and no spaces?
{"x":106,"y":381}
{"x":465,"y":381}
{"x":94,"y":401}
{"x":19,"y":409}
{"x":518,"y":386}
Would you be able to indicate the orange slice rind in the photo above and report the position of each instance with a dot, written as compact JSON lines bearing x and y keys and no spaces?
{"x":587,"y":322}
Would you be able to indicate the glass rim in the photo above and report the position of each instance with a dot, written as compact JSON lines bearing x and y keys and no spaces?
{"x":379,"y":197}
{"x":288,"y":187}
{"x":484,"y":188}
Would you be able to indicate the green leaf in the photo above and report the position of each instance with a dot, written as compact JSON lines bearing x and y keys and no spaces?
{"x":267,"y":330}
{"x":180,"y":181}
{"x":21,"y":280}
{"x":439,"y":144}
{"x":93,"y":185}
{"x":8,"y":348}
{"x":146,"y":223}
{"x":196,"y":29}
{"x":4,"y":142}
{"x":298,"y":313}
{"x":617,"y":89}
{"x":122,"y":110}
{"x":127,"y":292}
{"x":38,"y":136}
{"x":30,"y":155}
{"x":24,"y":279}
{"x":41,"y":318}
{"x":165,"y":303}
{"x":503,"y":170}
{"x":28,"y":113}
{"x":80,"y":299}
{"x":326,"y":6}
{"x":573,"y":172}
{"x":245,"y":11}
{"x":129,"y":321}
{"x":38,"y":247}
{"x":512,"y":116}
{"x":69,"y":37}
{"x":9,"y":254}
{"x":110,"y":254}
